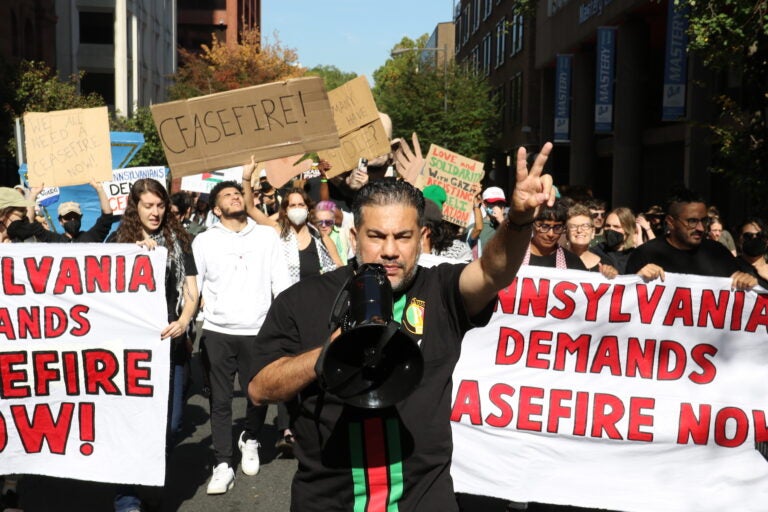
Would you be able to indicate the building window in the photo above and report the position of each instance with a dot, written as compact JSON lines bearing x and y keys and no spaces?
{"x":501,"y":41}
{"x":100,"y":83}
{"x":465,"y":23}
{"x":487,"y":9}
{"x":476,"y":15}
{"x":459,"y":37}
{"x":516,"y":31}
{"x":97,"y":28}
{"x":487,"y":54}
{"x":516,"y":99}
{"x":474,"y":60}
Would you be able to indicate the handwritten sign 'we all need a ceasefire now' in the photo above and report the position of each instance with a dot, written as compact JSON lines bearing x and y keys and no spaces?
{"x":67,"y":147}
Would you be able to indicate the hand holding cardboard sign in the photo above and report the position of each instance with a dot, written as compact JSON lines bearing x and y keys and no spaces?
{"x":281,"y":170}
{"x":409,"y":162}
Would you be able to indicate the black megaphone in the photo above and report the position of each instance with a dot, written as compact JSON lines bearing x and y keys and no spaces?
{"x":371,"y":364}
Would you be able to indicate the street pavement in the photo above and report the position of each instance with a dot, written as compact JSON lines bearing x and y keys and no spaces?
{"x":187,"y":476}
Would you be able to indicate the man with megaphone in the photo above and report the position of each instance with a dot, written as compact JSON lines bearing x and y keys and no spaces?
{"x":366,"y":352}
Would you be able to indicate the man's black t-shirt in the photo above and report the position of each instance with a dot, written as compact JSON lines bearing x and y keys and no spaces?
{"x":348,"y":456}
{"x":709,"y":259}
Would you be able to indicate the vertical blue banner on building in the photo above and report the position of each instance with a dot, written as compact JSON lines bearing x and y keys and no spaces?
{"x":675,"y":62}
{"x":563,"y":72}
{"x":605,"y":73}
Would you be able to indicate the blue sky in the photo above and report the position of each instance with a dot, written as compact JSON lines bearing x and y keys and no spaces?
{"x":353,"y":35}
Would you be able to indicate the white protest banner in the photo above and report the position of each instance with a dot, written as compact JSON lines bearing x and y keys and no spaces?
{"x":67,"y":147}
{"x":206,"y":181}
{"x":456,"y":174}
{"x":83,"y":371}
{"x":619,"y":394}
{"x":119,"y":188}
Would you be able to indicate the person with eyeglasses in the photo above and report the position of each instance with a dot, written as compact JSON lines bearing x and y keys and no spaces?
{"x":325,"y":217}
{"x":597,"y":212}
{"x":545,"y":249}
{"x":579,"y":232}
{"x":686,"y":249}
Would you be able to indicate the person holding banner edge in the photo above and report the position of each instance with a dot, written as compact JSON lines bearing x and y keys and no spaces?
{"x":445,"y":301}
{"x":148,"y":222}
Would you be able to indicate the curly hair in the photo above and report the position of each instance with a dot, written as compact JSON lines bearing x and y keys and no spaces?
{"x":131,"y":229}
{"x":282,"y":217}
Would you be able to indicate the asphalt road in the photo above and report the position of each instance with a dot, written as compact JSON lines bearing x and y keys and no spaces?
{"x":187,"y":475}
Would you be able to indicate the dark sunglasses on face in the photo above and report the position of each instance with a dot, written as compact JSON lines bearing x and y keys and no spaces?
{"x":752,"y":236}
{"x":544,"y":228}
{"x":595,"y":215}
{"x":325,"y":223}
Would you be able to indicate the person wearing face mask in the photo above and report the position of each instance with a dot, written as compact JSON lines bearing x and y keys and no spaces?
{"x":71,"y":216}
{"x":685,"y":248}
{"x":752,"y":243}
{"x":619,"y":237}
{"x":307,"y":253}
{"x":493,"y":208}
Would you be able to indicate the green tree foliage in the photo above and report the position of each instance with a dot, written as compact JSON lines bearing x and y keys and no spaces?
{"x":34,"y":87}
{"x":449,"y":105}
{"x":331,"y":75}
{"x":221,"y":67}
{"x":731,"y":37}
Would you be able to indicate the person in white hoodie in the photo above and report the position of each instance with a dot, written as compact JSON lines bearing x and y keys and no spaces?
{"x":240,"y":270}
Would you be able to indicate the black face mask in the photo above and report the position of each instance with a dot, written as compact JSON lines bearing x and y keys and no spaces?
{"x":72,"y":227}
{"x":754,"y":247}
{"x":612,"y":238}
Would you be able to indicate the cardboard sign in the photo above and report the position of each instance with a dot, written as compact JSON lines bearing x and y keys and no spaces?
{"x":119,"y":188}
{"x":361,"y":131}
{"x":204,"y":182}
{"x":456,"y":174}
{"x":81,"y":347}
{"x":268,"y":121}
{"x":67,"y":147}
{"x":282,"y":170}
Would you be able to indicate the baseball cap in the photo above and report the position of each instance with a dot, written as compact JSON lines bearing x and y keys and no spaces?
{"x":69,"y":207}
{"x":494,"y":195}
{"x":436,"y":193}
{"x":10,"y":198}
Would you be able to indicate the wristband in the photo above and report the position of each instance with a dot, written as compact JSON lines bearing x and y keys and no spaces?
{"x":517,"y":227}
{"x":323,"y":180}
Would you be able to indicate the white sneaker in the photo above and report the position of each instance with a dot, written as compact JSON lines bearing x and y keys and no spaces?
{"x":223,"y":479}
{"x":250,"y":450}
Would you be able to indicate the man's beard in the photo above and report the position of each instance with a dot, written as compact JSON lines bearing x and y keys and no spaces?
{"x":241,"y":215}
{"x":407,"y":279}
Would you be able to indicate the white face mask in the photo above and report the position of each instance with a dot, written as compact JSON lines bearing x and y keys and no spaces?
{"x":297,"y":216}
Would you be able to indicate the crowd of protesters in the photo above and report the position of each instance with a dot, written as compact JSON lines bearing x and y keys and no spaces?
{"x":306,"y":229}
